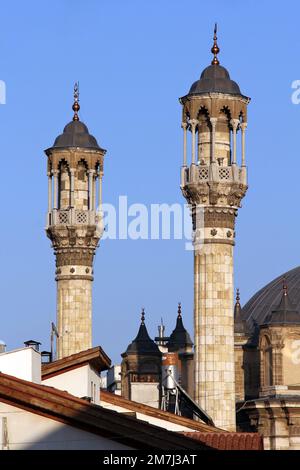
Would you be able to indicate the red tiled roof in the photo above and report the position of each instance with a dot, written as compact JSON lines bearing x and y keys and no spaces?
{"x":228,"y":440}
{"x":61,"y":406}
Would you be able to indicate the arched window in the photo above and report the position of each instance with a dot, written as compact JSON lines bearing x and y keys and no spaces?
{"x":267,"y":362}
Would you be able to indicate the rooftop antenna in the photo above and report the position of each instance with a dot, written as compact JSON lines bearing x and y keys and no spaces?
{"x":53,"y":332}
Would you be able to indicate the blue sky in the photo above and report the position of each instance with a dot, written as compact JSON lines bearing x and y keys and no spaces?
{"x":133,"y":60}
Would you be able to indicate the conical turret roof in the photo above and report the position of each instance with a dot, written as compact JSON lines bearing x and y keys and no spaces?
{"x":179,"y":337}
{"x":143,"y":344}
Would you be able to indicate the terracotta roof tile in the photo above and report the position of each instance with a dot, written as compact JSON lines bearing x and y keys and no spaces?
{"x":229,"y":440}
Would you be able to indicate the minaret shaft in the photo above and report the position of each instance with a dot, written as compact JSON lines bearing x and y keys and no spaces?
{"x":74,"y":315}
{"x":214,"y":349}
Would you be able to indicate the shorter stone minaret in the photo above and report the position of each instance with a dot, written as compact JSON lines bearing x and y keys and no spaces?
{"x":74,"y":225}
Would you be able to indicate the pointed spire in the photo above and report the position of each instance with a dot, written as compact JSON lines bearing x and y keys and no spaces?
{"x":76,"y":106}
{"x":240,"y":325}
{"x":215,"y":49}
{"x":179,"y":337}
{"x":143,"y":316}
{"x":237,"y":308}
{"x":238,"y":297}
{"x":284,"y":285}
{"x":142,"y":343}
{"x":179,"y":310}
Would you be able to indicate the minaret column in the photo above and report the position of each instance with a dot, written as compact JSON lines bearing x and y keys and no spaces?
{"x":184,"y":127}
{"x":100,"y":176}
{"x":72,"y":184}
{"x":55,"y":189}
{"x":193,"y":123}
{"x":213,"y":122}
{"x":91,"y":189}
{"x":49,"y":191}
{"x":213,"y":318}
{"x":243,"y":128}
{"x":234,"y":123}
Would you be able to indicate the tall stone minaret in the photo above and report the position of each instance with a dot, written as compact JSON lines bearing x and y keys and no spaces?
{"x":74,"y":225}
{"x":214,"y":183}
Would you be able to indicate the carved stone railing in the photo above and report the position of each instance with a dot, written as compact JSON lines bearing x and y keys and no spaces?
{"x":216,"y":173}
{"x":74,"y":217}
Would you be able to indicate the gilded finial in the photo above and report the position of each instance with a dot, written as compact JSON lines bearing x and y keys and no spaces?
{"x":284,"y":285}
{"x":143,"y":316}
{"x":76,"y":106}
{"x":215,"y":49}
{"x":179,"y":310}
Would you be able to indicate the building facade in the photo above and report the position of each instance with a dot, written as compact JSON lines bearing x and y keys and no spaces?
{"x":269,"y":395}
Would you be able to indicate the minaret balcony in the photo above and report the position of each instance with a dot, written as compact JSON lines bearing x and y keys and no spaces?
{"x":73,"y":217}
{"x":213,"y":173}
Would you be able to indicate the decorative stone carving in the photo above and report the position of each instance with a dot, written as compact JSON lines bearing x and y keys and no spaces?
{"x":222,"y":219}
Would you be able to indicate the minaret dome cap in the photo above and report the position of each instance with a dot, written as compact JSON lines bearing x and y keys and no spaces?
{"x":76,"y":133}
{"x":215,"y":78}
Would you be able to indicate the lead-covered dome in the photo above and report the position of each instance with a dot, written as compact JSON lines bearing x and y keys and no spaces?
{"x":267,"y":300}
{"x":215,"y":79}
{"x":76,"y":134}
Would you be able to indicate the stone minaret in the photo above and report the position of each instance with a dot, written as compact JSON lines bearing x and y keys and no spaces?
{"x":74,"y":225}
{"x":214,"y":183}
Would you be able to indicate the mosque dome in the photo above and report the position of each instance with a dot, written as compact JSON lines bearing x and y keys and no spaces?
{"x":268,"y":299}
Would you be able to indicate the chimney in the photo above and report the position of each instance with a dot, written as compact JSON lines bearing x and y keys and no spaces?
{"x":33,"y":344}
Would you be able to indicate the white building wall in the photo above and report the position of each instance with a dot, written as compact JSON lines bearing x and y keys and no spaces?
{"x":162,"y":423}
{"x":29,"y":431}
{"x":146,"y":393}
{"x":80,"y":382}
{"x":23,"y":363}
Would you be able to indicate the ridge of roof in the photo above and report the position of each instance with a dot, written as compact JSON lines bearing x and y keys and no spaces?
{"x":95,"y":356}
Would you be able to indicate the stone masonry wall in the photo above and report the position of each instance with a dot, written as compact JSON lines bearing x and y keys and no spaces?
{"x":74,"y":315}
{"x":214,"y":338}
